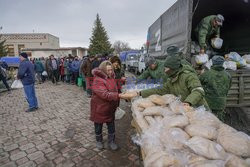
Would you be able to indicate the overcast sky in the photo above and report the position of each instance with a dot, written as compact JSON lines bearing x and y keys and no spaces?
{"x":72,"y":21}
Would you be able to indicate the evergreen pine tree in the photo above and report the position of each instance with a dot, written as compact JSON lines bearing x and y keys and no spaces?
{"x":99,"y":41}
{"x":3,"y":48}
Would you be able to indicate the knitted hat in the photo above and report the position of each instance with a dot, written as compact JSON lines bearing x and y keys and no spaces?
{"x":24,"y":55}
{"x":172,"y":50}
{"x":150,"y":61}
{"x":218,"y":60}
{"x":173,"y":62}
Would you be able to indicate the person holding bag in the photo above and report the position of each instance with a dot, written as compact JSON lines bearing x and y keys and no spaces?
{"x":104,"y":102}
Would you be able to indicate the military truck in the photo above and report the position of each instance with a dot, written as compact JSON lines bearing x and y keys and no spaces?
{"x":176,"y":27}
{"x":132,"y":62}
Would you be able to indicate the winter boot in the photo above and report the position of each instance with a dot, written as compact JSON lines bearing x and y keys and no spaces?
{"x":99,"y":142}
{"x":111,"y":142}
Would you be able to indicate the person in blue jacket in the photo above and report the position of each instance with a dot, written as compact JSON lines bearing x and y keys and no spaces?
{"x":26,"y":74}
{"x":75,"y":70}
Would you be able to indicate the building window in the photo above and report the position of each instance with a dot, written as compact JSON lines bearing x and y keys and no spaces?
{"x":20,"y":48}
{"x":11,"y":51}
{"x":41,"y":43}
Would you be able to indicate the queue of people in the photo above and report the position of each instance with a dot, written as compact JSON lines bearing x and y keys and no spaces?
{"x":65,"y":69}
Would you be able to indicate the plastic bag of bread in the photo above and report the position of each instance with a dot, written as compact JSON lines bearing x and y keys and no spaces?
{"x":141,"y":121}
{"x":168,"y":112}
{"x":169,"y":98}
{"x":151,"y":121}
{"x":173,"y":138}
{"x":160,"y":159}
{"x":185,"y":157}
{"x":207,"y":132}
{"x":154,"y":111}
{"x":202,"y":117}
{"x":177,"y":107}
{"x":237,"y":143}
{"x":150,"y":139}
{"x":135,"y":103}
{"x":158,"y":119}
{"x":234,"y":161}
{"x":224,"y":128}
{"x":208,"y":163}
{"x":206,"y":148}
{"x":158,"y":100}
{"x":175,"y":121}
{"x":145,"y":103}
{"x":192,"y":158}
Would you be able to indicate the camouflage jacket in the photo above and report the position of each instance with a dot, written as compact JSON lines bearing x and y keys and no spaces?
{"x":216,"y":83}
{"x":205,"y":30}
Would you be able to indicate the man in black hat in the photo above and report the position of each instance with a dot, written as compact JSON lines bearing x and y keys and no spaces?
{"x":175,"y":51}
{"x":26,"y":74}
{"x":86,"y":69}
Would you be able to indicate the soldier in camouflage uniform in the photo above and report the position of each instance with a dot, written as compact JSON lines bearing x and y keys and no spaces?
{"x":155,"y":71}
{"x":208,"y":28}
{"x":216,"y":83}
{"x":183,"y":81}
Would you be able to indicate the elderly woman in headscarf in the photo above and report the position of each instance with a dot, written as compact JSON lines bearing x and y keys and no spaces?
{"x":104,"y":101}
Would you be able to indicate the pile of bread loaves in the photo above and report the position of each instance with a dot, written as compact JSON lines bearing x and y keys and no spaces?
{"x":176,"y":135}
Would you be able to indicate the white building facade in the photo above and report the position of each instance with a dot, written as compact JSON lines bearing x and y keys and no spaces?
{"x":59,"y":53}
{"x":17,"y":42}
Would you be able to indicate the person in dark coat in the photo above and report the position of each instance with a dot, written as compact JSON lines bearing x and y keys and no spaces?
{"x":82,"y":64}
{"x":26,"y":74}
{"x":75,"y":69}
{"x":53,"y":67}
{"x":62,"y":69}
{"x":119,"y":72}
{"x":104,"y":101}
{"x":87,"y":68}
{"x":3,"y":77}
{"x":39,"y":68}
{"x":97,"y":61}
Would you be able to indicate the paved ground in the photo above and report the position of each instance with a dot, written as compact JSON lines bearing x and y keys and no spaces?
{"x":59,"y":133}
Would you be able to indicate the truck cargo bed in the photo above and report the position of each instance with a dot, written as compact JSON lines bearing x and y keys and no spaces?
{"x":239,"y":94}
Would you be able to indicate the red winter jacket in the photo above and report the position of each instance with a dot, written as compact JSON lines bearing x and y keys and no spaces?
{"x":105,"y":99}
